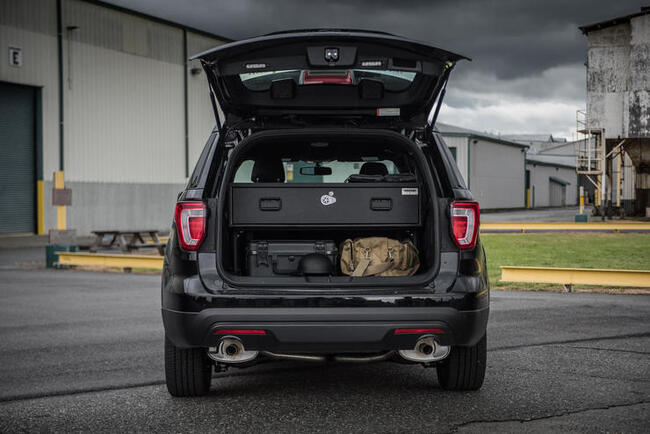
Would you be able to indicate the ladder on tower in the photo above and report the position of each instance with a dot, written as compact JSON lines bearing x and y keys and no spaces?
{"x":590,"y":154}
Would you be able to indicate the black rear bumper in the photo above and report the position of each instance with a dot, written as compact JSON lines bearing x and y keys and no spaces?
{"x":330,"y":329}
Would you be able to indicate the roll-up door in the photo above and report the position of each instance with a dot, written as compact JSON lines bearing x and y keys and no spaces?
{"x":17,"y":159}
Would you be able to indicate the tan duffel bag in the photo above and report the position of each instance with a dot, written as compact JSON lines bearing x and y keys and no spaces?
{"x":379,"y":256}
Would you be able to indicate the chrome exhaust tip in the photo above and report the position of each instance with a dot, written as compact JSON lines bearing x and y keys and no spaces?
{"x":231,"y":350}
{"x":426,"y":350}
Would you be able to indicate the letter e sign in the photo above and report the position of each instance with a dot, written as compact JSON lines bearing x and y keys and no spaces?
{"x":15,"y":56}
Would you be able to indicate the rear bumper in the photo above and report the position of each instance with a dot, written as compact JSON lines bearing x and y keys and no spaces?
{"x":344,"y":329}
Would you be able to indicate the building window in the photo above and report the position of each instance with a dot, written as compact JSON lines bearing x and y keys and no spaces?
{"x":452,"y":149}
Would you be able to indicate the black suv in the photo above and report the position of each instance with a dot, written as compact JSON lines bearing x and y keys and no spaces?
{"x":323,"y":136}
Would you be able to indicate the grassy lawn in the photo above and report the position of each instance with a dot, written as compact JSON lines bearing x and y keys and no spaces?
{"x":566,"y":249}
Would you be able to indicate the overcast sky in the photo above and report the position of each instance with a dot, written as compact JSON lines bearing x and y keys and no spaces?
{"x":527,"y":73}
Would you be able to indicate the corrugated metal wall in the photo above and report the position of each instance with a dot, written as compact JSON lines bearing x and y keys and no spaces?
{"x":123,"y":97}
{"x":540,"y":184}
{"x":124,"y":101}
{"x":31,"y":26}
{"x":497,"y":174}
{"x":123,"y":90}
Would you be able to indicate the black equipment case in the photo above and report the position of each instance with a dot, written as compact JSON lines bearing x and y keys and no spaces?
{"x":281,"y":258}
{"x":325,"y":205}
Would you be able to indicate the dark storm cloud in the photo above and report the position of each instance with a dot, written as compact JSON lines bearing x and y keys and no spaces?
{"x":509,"y":38}
{"x":527,"y":73}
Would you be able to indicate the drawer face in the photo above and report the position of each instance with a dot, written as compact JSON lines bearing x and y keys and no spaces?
{"x":367,"y":204}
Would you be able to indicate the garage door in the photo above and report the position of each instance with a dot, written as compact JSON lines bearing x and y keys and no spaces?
{"x":558,"y":194}
{"x":17,"y":159}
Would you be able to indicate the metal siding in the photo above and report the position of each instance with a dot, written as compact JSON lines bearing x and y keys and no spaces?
{"x":116,"y":205}
{"x":539,"y":178}
{"x":497,"y":174}
{"x":124,"y":107}
{"x":120,"y":31}
{"x":128,"y":115}
{"x":200,"y":113}
{"x":17,"y":158}
{"x":39,"y":66}
{"x":33,"y":15}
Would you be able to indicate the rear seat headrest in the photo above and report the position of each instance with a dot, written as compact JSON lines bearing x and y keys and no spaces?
{"x":373,"y":168}
{"x":267,"y":171}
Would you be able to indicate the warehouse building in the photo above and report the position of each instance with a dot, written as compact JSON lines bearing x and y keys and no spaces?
{"x":550,"y":181}
{"x":105,"y":95}
{"x":493,"y":167}
{"x":551,"y":177}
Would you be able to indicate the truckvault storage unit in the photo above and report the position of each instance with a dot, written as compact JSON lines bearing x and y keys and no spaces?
{"x":324,"y":205}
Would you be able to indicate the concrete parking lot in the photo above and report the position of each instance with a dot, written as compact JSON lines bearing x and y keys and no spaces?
{"x":83,"y":351}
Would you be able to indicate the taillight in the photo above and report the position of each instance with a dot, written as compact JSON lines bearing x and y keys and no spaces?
{"x":464,"y":224}
{"x":190,"y":224}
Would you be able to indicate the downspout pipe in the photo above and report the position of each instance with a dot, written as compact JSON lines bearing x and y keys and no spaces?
{"x":185,"y":107}
{"x":59,"y":46}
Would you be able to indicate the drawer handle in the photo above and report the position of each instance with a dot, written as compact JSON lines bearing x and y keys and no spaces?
{"x":270,"y":204}
{"x":381,"y":204}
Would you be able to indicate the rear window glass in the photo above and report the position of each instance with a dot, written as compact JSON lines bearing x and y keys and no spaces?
{"x":393,"y":81}
{"x":341,"y":170}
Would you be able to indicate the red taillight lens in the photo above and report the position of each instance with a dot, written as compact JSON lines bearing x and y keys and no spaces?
{"x":190,"y":224}
{"x":239,"y":332}
{"x":465,"y":220}
{"x":417,"y":331}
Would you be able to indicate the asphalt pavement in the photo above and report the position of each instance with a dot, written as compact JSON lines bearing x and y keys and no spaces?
{"x":83,"y":351}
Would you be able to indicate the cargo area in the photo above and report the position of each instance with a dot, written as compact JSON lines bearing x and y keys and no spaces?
{"x":289,"y":203}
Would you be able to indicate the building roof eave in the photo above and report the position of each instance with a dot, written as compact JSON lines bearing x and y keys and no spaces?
{"x":548,"y":163}
{"x":558,"y":180}
{"x":613,"y":21}
{"x":486,"y":138}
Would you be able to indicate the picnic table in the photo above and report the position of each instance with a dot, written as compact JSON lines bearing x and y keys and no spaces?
{"x":128,"y":240}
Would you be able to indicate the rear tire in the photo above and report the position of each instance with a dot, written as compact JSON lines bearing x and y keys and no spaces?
{"x":464,"y":368}
{"x":187,"y":371}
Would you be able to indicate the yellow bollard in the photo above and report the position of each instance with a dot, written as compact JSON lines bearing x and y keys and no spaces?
{"x":60,"y":209}
{"x":582,"y":200}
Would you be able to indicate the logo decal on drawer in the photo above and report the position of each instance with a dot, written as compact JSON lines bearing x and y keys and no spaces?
{"x":410,"y":191}
{"x":328,"y":199}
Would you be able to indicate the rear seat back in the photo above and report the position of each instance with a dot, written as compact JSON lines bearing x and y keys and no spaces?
{"x":397,"y":177}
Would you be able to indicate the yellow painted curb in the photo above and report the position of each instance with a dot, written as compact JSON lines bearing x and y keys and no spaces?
{"x":524,"y":226}
{"x":110,"y":260}
{"x":577,"y":276}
